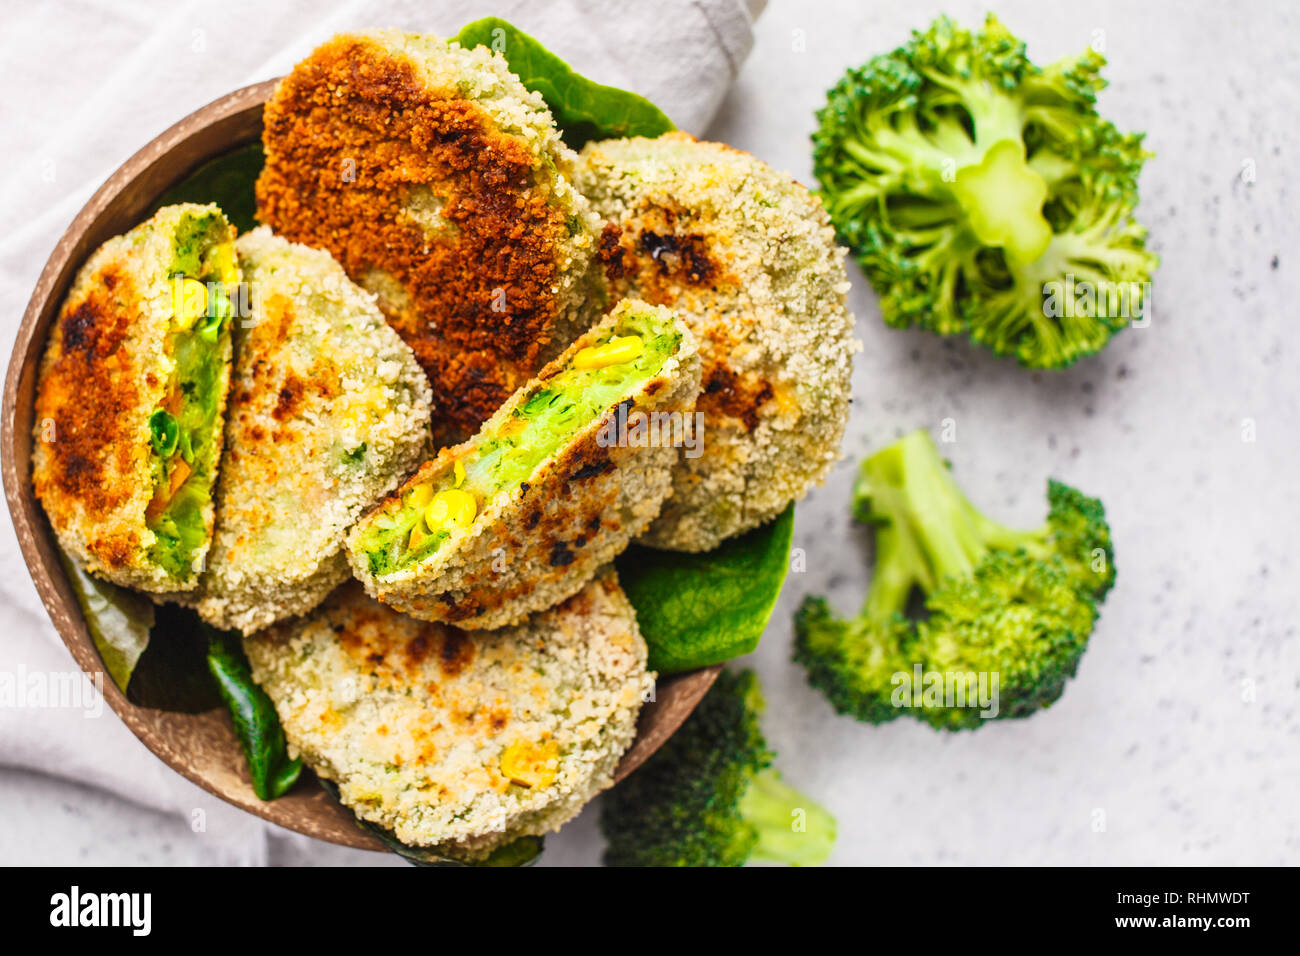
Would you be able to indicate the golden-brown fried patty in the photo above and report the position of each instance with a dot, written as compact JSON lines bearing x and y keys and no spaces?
{"x":328,"y":412}
{"x":461,"y":741}
{"x":438,"y":182}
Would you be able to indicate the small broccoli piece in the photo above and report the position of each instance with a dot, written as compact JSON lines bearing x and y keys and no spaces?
{"x":984,"y":195}
{"x":709,"y":796}
{"x":1018,"y":604}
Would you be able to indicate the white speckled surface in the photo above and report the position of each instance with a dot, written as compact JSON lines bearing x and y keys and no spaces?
{"x":1182,"y":729}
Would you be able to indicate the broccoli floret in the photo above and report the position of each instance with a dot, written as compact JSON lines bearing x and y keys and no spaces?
{"x":1018,"y":604}
{"x":984,"y":195}
{"x":709,"y":796}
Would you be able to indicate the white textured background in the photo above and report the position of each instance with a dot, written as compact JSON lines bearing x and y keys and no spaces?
{"x":1182,"y":728}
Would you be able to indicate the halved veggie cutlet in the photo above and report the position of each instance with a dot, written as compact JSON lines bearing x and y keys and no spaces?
{"x":129,"y":400}
{"x":554,"y":484}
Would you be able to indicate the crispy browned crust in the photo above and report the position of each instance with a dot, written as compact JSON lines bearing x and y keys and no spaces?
{"x":479,"y":303}
{"x":89,"y":396}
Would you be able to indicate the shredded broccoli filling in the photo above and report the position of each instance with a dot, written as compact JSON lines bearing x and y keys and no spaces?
{"x":185,"y":454}
{"x":547,"y":419}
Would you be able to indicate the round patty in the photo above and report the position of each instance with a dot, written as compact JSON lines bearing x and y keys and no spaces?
{"x":748,"y":259}
{"x":440,"y":183}
{"x":457,"y":740}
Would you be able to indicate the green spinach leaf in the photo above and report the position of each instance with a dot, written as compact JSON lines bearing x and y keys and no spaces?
{"x":119,"y":621}
{"x":583,"y":109}
{"x":172,"y":673}
{"x":256,"y":723}
{"x":700,"y":609}
{"x":227,"y":181}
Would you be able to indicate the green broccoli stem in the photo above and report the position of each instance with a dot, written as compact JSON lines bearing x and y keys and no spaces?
{"x":791,"y":828}
{"x":926,"y":528}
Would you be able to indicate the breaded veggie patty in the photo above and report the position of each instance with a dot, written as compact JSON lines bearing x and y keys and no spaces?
{"x":439,"y":182}
{"x":328,"y":412}
{"x":554,"y":484}
{"x":458,"y":740}
{"x":129,"y":400}
{"x":748,"y":259}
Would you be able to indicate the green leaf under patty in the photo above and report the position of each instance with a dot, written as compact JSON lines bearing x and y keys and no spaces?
{"x":700,"y":609}
{"x":119,"y":621}
{"x":583,"y":109}
{"x":172,"y":673}
{"x":227,"y":181}
{"x":166,"y":658}
{"x":256,"y":723}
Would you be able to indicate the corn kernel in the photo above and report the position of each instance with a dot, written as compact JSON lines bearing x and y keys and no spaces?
{"x":451,"y":506}
{"x":419,"y":496}
{"x":418,"y":537}
{"x":531,"y":765}
{"x":616,"y":351}
{"x":189,"y":301}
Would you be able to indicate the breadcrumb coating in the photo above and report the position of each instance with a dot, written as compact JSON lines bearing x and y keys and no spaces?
{"x":748,"y":258}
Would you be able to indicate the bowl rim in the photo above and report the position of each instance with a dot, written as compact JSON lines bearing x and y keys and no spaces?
{"x":36,"y":540}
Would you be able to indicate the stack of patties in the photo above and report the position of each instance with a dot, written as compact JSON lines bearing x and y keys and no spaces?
{"x":441,"y":184}
{"x":748,"y":259}
{"x":459,"y":741}
{"x":328,"y":411}
{"x":426,"y":221}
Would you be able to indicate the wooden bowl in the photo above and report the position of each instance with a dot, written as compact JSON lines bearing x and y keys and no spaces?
{"x":202,"y":747}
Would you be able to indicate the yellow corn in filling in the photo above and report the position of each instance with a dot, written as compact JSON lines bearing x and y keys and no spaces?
{"x":620,"y":349}
{"x":189,"y":301}
{"x":531,"y":765}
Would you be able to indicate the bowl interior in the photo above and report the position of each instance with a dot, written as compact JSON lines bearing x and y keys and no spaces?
{"x":203,"y":746}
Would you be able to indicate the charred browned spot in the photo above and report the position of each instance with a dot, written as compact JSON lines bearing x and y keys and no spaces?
{"x":593,"y":524}
{"x":480,"y":301}
{"x":531,"y":519}
{"x":498,"y":720}
{"x":115,"y":551}
{"x":458,"y":610}
{"x":654,"y":386}
{"x":685,"y":258}
{"x":561,"y":556}
{"x":418,"y":648}
{"x":593,"y":468}
{"x":726,"y":393}
{"x":456,"y":652}
{"x":610,"y":252}
{"x":290,"y":397}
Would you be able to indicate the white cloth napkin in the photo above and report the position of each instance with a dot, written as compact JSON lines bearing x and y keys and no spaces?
{"x":86,"y":86}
